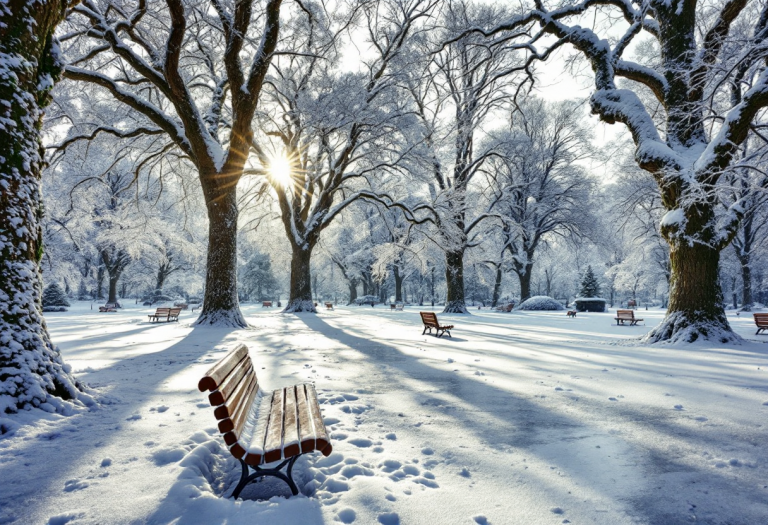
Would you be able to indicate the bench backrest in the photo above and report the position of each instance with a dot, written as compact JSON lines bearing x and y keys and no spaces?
{"x":429,"y":318}
{"x":629,"y":314}
{"x":761,"y":319}
{"x":174,"y":311}
{"x":233,"y":385}
{"x":266,"y":303}
{"x":162,"y":311}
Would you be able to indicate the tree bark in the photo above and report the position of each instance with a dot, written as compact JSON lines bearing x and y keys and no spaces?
{"x":524,"y":275}
{"x":497,"y":287}
{"x":220,"y":303}
{"x":695,"y":300}
{"x":398,"y":284}
{"x":454,"y":280}
{"x":32,"y":372}
{"x":746,"y":286}
{"x":352,"y":290}
{"x":300,"y":299}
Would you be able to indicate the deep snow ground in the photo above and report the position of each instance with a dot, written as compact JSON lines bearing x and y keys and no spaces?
{"x":521,"y":418}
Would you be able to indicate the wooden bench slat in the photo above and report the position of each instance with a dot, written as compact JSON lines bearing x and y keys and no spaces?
{"x":240,"y":413}
{"x":305,"y":422}
{"x":227,"y":387}
{"x":274,"y":434}
{"x":322,"y":443}
{"x":226,"y":410}
{"x":220,"y":370}
{"x":290,"y":430}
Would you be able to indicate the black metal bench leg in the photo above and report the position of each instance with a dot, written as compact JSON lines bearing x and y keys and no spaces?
{"x":259,"y":472}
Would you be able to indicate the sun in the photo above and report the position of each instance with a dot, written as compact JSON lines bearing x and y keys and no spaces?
{"x":280,"y":169}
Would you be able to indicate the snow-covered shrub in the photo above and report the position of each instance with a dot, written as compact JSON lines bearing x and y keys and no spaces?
{"x":540,"y":302}
{"x":589,"y":304}
{"x":54,"y":299}
{"x":366,"y":299}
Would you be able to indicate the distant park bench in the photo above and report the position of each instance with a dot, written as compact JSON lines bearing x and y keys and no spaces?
{"x":266,"y":304}
{"x":506,"y":308}
{"x":761,"y":320}
{"x":109,"y":307}
{"x":183,"y":306}
{"x":261,"y":426}
{"x":329,"y":306}
{"x":626,"y":315}
{"x":631,"y":303}
{"x":167,"y":314}
{"x":430,"y":321}
{"x":396,"y":306}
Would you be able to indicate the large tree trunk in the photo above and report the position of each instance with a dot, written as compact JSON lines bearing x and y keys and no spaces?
{"x":746,"y":285}
{"x":524,"y":275}
{"x":695,"y":299}
{"x":300,"y":299}
{"x":497,"y":287}
{"x":454,"y":280}
{"x":113,"y":278}
{"x":352,"y":290}
{"x":220,"y":304}
{"x":31,"y":368}
{"x":398,"y":284}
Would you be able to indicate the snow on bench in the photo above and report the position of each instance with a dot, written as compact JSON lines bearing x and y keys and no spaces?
{"x":259,"y":426}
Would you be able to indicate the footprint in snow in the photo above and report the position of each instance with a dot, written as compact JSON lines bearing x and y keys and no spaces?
{"x":391,"y":436}
{"x":346,"y":516}
{"x":74,"y":484}
{"x":160,"y":409}
{"x":389,"y":518}
{"x":63,"y":519}
{"x":134,"y":417}
{"x":481,"y":520}
{"x":678,"y":407}
{"x":361,"y":442}
{"x":354,"y":409}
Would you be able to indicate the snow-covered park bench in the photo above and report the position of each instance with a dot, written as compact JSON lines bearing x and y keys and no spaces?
{"x":628,"y":316}
{"x":262,"y":427}
{"x":266,"y":304}
{"x":430,"y":321}
{"x":166,"y":314}
{"x":109,"y":307}
{"x":761,"y":320}
{"x":396,"y":306}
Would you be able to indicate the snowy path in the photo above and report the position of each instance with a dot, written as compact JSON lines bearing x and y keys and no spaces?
{"x":522,"y":418}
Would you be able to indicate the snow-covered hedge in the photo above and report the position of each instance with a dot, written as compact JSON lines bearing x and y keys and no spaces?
{"x":540,"y":302}
{"x":590,"y":304}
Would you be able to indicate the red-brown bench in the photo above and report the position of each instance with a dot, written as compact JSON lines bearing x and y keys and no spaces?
{"x":329,"y":306}
{"x":628,"y":316}
{"x":266,"y":304}
{"x":109,"y":307}
{"x":259,"y":426}
{"x":430,"y":321}
{"x":761,"y":320}
{"x":167,"y":314}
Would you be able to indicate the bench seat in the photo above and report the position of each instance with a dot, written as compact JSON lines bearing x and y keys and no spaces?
{"x":628,"y":316}
{"x":761,"y":321}
{"x":263,"y":426}
{"x":430,"y":321}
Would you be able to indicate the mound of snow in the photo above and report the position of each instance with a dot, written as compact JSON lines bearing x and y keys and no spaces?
{"x":540,"y":302}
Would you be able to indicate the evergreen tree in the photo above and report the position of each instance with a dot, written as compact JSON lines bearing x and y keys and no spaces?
{"x":257,"y":281}
{"x":54,"y":296}
{"x":589,"y":285}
